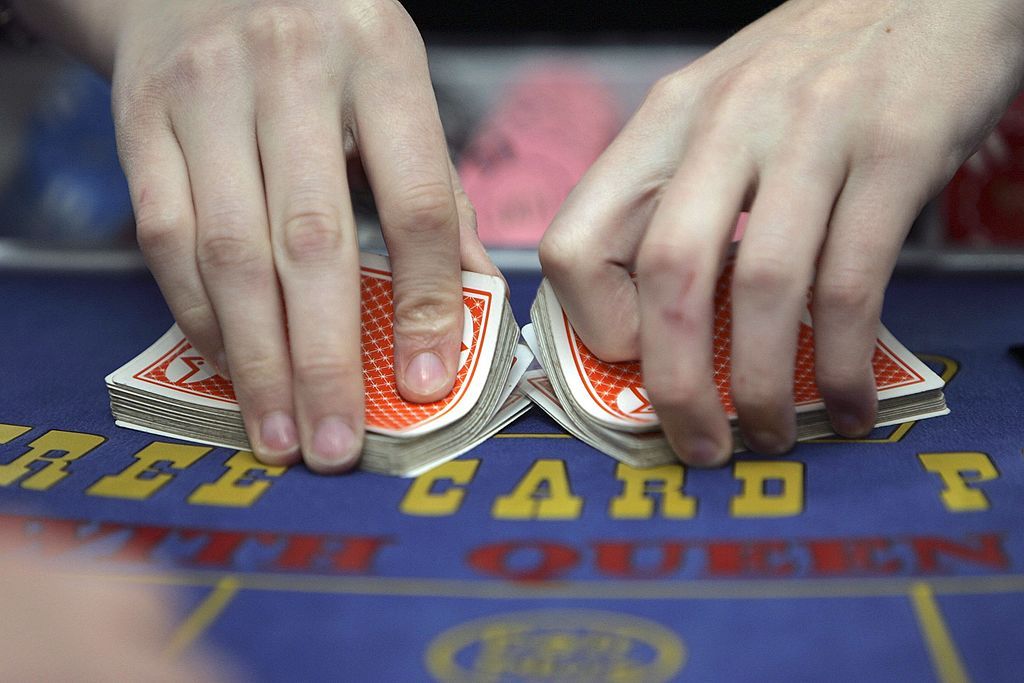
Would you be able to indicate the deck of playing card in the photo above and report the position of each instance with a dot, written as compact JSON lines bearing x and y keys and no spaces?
{"x":606,"y":405}
{"x":171,"y":390}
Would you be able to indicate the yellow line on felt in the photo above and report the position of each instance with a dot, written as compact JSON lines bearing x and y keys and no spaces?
{"x":943,"y":651}
{"x":896,"y":435}
{"x":527,"y":435}
{"x":949,"y":366}
{"x":203,"y":615}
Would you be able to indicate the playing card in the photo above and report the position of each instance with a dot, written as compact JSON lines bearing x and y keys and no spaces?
{"x":536,"y":385}
{"x":529,"y":334}
{"x":386,"y":411}
{"x":612,"y":394}
{"x":520,"y":364}
{"x":513,"y":404}
{"x":172,"y":369}
{"x":637,"y":450}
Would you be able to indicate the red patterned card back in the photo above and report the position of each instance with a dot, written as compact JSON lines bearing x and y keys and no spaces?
{"x":618,"y":387}
{"x":185,"y":371}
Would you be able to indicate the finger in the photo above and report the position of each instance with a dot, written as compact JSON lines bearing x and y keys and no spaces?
{"x":166,"y":230}
{"x":678,"y":267}
{"x":315,"y":248}
{"x":590,"y":248}
{"x":474,"y":256}
{"x":773,"y":271}
{"x":403,"y":150}
{"x":870,"y":220}
{"x":236,"y":265}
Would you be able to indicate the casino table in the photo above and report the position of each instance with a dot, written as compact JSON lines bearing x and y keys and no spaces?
{"x":534,"y":557}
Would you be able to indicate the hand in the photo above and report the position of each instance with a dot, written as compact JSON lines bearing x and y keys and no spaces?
{"x":77,"y":627}
{"x":234,"y":120}
{"x":834,"y":121}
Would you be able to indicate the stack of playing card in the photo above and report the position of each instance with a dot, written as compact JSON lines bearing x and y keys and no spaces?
{"x":170,"y":390}
{"x":606,"y":405}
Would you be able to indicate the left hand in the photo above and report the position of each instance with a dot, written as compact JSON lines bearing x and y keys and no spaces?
{"x":235,"y":120}
{"x":834,"y":121}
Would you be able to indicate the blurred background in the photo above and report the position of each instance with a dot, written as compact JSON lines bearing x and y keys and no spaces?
{"x":530,"y":93}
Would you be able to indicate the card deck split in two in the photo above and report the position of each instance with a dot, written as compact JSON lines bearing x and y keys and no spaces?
{"x":171,"y":390}
{"x":606,"y":404}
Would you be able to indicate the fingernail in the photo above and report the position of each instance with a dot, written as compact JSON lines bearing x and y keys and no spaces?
{"x":222,"y":365}
{"x":425,"y":373}
{"x":278,"y":434}
{"x":849,"y":424}
{"x":706,"y":453}
{"x":333,"y":441}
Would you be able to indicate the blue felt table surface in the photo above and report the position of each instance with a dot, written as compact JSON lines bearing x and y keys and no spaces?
{"x":742,"y":596}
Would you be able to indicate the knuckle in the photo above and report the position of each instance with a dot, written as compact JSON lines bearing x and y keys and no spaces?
{"x":686,"y":313}
{"x":669,"y":90}
{"x":737,"y":86}
{"x":312,"y":237}
{"x":204,"y":59}
{"x":197,"y":321}
{"x":558,"y":253}
{"x":160,"y":230}
{"x":380,"y":23}
{"x":850,"y":293}
{"x":283,"y":31}
{"x":325,"y":368}
{"x":660,"y":260}
{"x":427,"y":317}
{"x":427,"y":207}
{"x":762,"y":274}
{"x":228,"y":248}
{"x":822,"y":95}
{"x":258,"y":375}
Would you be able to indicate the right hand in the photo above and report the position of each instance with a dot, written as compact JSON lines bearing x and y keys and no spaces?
{"x":832,"y":122}
{"x":234,"y":120}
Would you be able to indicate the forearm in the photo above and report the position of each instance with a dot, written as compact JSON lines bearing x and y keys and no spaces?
{"x":85,"y":28}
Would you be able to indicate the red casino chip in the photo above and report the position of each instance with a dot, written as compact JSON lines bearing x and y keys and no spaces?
{"x":984,"y":203}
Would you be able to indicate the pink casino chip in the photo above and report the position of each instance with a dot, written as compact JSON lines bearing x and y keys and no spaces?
{"x":520,"y":165}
